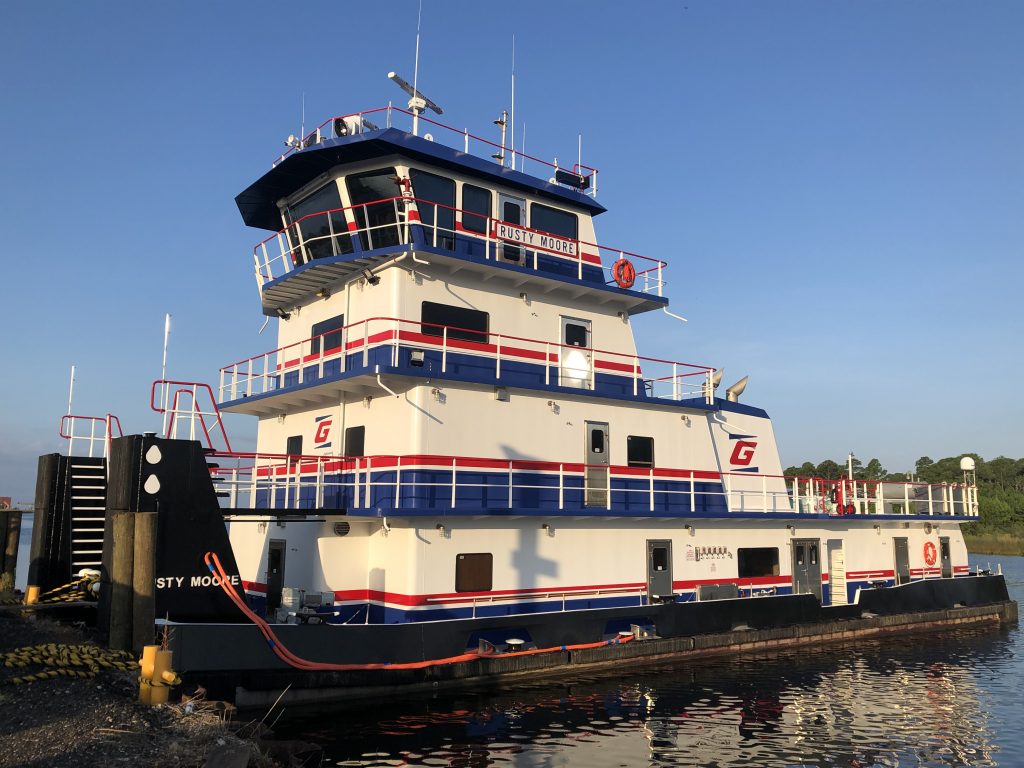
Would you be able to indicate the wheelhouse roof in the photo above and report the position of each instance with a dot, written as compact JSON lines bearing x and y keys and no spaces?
{"x":258,"y":203}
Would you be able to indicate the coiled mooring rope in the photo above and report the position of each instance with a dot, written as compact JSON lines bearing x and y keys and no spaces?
{"x":60,"y":660}
{"x":79,"y":589}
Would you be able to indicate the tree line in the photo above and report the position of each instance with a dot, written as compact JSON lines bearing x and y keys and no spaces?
{"x":1000,"y":484}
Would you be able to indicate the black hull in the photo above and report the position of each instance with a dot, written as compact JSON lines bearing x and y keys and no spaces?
{"x":236,"y":656}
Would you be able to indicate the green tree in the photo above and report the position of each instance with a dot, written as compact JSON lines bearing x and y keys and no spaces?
{"x":829,"y":469}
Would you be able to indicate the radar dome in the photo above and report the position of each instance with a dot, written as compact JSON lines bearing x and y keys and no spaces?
{"x":967,"y":464}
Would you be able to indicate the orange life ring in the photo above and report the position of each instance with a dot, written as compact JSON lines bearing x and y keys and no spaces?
{"x":930,"y":553}
{"x":624,"y":273}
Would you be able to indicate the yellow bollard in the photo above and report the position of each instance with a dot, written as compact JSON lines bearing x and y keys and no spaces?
{"x":147,"y":666}
{"x":32,"y":595}
{"x":162,"y":678}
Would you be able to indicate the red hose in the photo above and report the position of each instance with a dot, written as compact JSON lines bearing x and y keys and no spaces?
{"x":289,"y":658}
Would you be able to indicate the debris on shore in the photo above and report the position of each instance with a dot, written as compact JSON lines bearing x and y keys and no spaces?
{"x":67,"y":703}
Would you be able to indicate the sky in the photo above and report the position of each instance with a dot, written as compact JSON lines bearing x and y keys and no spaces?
{"x":838,"y":189}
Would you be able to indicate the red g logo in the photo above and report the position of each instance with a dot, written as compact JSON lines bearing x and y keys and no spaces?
{"x":322,"y":431}
{"x":743,"y":453}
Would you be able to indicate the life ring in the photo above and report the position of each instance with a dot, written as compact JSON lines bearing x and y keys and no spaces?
{"x":930,"y":553}
{"x":624,"y":273}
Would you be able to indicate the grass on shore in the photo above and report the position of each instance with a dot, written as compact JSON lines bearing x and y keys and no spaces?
{"x":994,"y":544}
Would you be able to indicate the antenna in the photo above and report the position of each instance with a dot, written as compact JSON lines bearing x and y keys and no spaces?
{"x":71,"y":389}
{"x":513,"y":115}
{"x":417,"y":101}
{"x":302,"y":123}
{"x":163,"y":372}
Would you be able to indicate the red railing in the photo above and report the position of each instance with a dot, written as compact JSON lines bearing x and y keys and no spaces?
{"x":354,"y":121}
{"x":293,"y":246}
{"x":171,"y":406}
{"x":69,"y":430}
{"x":652,"y":376}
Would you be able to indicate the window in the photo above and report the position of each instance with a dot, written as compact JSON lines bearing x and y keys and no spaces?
{"x":659,"y":559}
{"x":321,"y":234}
{"x":355,"y":441}
{"x":639,"y":451}
{"x":441,"y":191}
{"x":554,"y":221}
{"x":476,"y":208}
{"x":473,"y":572}
{"x":597,"y":440}
{"x":758,"y":561}
{"x":327,"y":335}
{"x":293,"y":447}
{"x":576,"y":335}
{"x":463,"y":323}
{"x":374,"y":218}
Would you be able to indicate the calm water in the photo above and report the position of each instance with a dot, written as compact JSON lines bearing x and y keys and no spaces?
{"x":956,"y":699}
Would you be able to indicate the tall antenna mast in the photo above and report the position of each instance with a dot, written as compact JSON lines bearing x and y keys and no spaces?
{"x":416,"y":71}
{"x":163,"y":372}
{"x":71,"y":389}
{"x":302,"y":123}
{"x":513,"y":115}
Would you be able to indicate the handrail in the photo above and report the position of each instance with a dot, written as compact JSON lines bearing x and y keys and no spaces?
{"x":318,"y":135}
{"x":68,"y":423}
{"x":291,"y":241}
{"x":355,"y":337}
{"x":293,"y":481}
{"x":171,"y":407}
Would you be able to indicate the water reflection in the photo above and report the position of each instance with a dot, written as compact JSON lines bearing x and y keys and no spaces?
{"x":944,"y":701}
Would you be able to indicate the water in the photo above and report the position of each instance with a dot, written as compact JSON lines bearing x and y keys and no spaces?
{"x":950,"y":700}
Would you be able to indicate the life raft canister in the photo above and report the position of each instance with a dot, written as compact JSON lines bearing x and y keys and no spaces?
{"x":624,"y":273}
{"x":929,"y":553}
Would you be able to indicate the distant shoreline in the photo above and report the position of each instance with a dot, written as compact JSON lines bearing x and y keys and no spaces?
{"x":995,"y":544}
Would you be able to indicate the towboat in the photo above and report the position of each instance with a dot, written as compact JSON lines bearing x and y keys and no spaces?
{"x":464,"y":466}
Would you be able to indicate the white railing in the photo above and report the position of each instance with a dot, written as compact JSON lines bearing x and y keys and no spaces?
{"x":564,"y":595}
{"x":94,"y":432}
{"x":337,"y":232}
{"x":297,"y":483}
{"x":558,"y":364}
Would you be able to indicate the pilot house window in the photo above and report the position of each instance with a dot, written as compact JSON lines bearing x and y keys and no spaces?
{"x":554,"y":221}
{"x":317,"y":227}
{"x":476,"y":208}
{"x":375,"y":207}
{"x":435,"y":200}
{"x":461,"y":322}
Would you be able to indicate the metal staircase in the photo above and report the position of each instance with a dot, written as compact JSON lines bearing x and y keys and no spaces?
{"x":86,"y":490}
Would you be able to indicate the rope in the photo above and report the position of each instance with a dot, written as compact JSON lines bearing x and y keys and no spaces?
{"x":59,"y":660}
{"x":79,"y":589}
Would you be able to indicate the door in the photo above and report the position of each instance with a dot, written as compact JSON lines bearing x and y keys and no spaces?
{"x":837,"y":573}
{"x":947,"y":560}
{"x":513,"y":211}
{"x":806,"y":567}
{"x":576,"y":356}
{"x":659,"y":570}
{"x":596,"y":458}
{"x":902,"y":555}
{"x":275,"y":573}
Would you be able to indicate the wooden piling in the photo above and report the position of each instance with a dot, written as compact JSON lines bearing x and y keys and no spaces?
{"x":12,"y":529}
{"x":144,"y":581}
{"x":121,"y":580}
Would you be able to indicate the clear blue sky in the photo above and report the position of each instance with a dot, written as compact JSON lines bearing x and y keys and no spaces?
{"x":838,"y":186}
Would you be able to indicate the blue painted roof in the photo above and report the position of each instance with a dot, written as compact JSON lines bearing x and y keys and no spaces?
{"x":258,"y":203}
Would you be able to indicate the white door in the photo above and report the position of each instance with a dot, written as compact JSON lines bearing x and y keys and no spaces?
{"x":837,"y":573}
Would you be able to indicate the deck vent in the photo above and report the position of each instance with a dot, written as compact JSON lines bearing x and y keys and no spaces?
{"x":341,"y":528}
